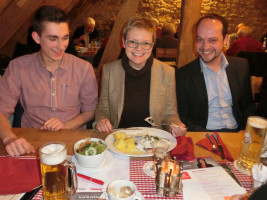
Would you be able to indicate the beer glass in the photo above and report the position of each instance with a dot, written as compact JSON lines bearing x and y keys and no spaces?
{"x":252,"y":144}
{"x":59,"y":178}
{"x":160,"y":149}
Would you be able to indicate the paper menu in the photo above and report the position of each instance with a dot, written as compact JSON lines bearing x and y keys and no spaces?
{"x":212,"y":183}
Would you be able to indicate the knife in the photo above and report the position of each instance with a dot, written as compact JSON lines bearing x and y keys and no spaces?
{"x":229,"y":170}
{"x":219,"y":146}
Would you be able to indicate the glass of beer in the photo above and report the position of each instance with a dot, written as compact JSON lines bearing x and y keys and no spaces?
{"x":160,"y":149}
{"x":252,"y":144}
{"x":59,"y":177}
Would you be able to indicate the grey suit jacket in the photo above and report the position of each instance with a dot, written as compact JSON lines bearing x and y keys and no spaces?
{"x":162,"y":105}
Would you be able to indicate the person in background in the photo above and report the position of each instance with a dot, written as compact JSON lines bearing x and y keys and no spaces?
{"x":158,"y":27}
{"x":244,"y":42}
{"x":61,"y":92}
{"x":214,"y":91}
{"x":137,"y":86}
{"x":85,"y":33}
{"x":259,"y":194}
{"x":167,"y":39}
{"x":232,"y":37}
{"x":262,"y":37}
{"x":176,"y":34}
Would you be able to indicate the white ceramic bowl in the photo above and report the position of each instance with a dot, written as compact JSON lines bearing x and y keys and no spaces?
{"x":115,"y":186}
{"x":89,"y":161}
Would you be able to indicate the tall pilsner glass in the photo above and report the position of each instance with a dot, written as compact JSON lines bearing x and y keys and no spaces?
{"x":252,"y":143}
{"x":59,"y":178}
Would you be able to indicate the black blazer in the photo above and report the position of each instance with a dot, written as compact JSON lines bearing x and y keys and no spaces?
{"x":192,"y":95}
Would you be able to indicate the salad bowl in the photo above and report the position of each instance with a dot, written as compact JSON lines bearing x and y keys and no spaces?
{"x":90,"y":152}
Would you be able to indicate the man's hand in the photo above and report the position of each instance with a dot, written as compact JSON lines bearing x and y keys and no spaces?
{"x":18,"y":146}
{"x":178,"y":130}
{"x":104,"y":125}
{"x":53,"y":124}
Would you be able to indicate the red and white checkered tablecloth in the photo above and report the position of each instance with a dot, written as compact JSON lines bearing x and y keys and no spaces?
{"x":146,"y":184}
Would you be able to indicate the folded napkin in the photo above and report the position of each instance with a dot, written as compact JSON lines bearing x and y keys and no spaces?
{"x":19,"y":174}
{"x":184,"y":149}
{"x":207,"y":145}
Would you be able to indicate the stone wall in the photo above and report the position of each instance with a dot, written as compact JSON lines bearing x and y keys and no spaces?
{"x":250,"y":12}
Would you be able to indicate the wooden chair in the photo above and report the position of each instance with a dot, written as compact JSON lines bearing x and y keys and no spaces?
{"x":256,"y":83}
{"x":257,"y":62}
{"x":166,"y":54}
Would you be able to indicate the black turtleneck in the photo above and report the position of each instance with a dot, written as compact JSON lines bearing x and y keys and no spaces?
{"x":137,"y":91}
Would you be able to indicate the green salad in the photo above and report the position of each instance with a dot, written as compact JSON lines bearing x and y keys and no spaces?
{"x":89,"y":148}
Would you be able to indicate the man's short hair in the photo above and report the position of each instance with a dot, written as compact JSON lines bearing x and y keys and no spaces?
{"x":216,"y":17}
{"x":89,"y":21}
{"x":48,"y":14}
{"x":244,"y":31}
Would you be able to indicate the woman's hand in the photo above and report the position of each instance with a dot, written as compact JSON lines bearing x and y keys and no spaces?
{"x":178,"y":129}
{"x":104,"y":125}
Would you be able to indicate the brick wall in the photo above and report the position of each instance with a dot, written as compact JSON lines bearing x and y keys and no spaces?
{"x":250,"y":12}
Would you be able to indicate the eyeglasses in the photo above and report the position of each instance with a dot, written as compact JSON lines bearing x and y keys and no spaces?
{"x":135,"y":44}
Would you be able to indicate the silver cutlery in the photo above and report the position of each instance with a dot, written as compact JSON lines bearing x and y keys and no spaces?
{"x":152,"y":123}
{"x":219,"y":146}
{"x":213,"y":145}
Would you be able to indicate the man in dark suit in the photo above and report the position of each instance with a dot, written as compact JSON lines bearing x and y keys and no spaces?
{"x":214,"y":91}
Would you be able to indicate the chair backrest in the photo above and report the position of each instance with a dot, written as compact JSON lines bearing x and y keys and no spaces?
{"x":257,"y":62}
{"x":256,"y":83}
{"x":168,"y":53}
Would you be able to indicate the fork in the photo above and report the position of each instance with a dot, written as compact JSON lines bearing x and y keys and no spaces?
{"x":152,"y":123}
{"x":213,"y":145}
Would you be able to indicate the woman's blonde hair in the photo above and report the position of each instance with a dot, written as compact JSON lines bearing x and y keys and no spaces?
{"x":141,"y":23}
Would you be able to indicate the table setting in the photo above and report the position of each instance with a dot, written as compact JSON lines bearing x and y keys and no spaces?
{"x":157,"y":171}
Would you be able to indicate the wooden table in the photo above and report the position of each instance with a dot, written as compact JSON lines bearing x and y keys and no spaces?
{"x":87,"y":54}
{"x":37,"y":138}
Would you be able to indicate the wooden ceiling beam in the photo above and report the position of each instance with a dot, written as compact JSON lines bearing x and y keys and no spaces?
{"x":190,"y":13}
{"x":20,"y":30}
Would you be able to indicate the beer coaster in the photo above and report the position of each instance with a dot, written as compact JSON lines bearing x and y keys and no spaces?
{"x":240,"y":170}
{"x":104,"y":164}
{"x":148,"y":168}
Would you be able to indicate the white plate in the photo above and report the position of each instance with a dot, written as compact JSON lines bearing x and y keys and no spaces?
{"x":105,"y":163}
{"x":148,"y":168}
{"x":138,"y":196}
{"x":141,"y":131}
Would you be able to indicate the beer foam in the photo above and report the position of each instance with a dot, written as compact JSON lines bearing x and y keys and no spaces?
{"x":257,"y":122}
{"x":53,"y":154}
